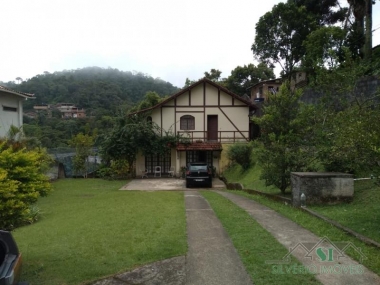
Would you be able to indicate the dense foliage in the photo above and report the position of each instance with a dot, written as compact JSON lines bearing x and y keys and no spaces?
{"x":240,"y":154}
{"x":338,"y":133}
{"x":286,"y":137}
{"x":56,"y":132}
{"x":136,"y":134}
{"x":281,"y":33}
{"x":240,"y":79}
{"x":243,"y":77}
{"x":21,"y":183}
{"x":100,"y":91}
{"x":83,"y":144}
{"x":104,"y":93}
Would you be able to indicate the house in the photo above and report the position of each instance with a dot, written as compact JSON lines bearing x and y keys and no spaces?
{"x":11,"y":108}
{"x":259,"y":92}
{"x":44,"y":108}
{"x":210,"y":116}
{"x":69,"y":110}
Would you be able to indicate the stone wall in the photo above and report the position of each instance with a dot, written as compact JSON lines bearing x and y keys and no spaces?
{"x":366,"y":87}
{"x":321,"y":187}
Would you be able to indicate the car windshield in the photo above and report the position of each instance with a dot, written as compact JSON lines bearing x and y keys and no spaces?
{"x":198,"y":167}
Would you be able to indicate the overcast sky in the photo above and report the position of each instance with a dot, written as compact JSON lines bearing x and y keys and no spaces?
{"x":170,"y":39}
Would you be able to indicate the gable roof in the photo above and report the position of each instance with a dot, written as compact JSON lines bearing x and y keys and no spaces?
{"x":203,"y":80}
{"x":18,"y":93}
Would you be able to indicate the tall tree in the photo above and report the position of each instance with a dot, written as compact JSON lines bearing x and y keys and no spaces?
{"x":213,"y":75}
{"x":150,"y":99}
{"x":188,"y":82}
{"x":279,"y":36}
{"x":242,"y":77}
{"x":324,"y":48}
{"x":285,"y":131}
{"x":362,"y":27}
{"x":325,"y":12}
{"x":280,"y":33}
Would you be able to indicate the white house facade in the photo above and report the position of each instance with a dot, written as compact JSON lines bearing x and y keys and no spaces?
{"x":210,"y":116}
{"x":11,"y":109}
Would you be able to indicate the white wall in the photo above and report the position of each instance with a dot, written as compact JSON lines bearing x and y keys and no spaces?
{"x":8,"y":118}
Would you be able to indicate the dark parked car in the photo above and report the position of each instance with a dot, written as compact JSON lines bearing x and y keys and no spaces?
{"x":198,"y":173}
{"x":10,"y":260}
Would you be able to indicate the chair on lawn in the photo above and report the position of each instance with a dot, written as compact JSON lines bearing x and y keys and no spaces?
{"x":157,"y":171}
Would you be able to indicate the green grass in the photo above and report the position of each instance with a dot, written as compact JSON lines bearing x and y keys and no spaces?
{"x":361,"y":215}
{"x":321,"y":229}
{"x":254,"y":244}
{"x":89,"y":230}
{"x":250,"y":178}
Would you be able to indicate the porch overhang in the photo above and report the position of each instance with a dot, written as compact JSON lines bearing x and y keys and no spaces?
{"x":215,"y":146}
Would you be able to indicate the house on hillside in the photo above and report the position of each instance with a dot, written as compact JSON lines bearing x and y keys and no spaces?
{"x":11,"y":108}
{"x":210,"y":116}
{"x":260,"y":91}
{"x":69,"y":110}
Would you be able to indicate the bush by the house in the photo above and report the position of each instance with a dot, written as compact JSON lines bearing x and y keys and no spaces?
{"x":22,"y":181}
{"x":240,"y":154}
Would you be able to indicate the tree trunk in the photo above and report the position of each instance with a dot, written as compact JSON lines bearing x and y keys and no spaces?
{"x":368,"y":31}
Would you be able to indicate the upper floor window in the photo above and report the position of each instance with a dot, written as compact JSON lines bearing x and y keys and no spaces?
{"x":187,"y":122}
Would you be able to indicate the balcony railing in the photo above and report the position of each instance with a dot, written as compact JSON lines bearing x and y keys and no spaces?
{"x":222,"y":136}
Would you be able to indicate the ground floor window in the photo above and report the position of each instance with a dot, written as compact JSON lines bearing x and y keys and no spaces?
{"x":199,"y":156}
{"x":151,"y":161}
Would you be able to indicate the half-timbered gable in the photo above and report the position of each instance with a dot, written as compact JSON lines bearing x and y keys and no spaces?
{"x":209,"y":115}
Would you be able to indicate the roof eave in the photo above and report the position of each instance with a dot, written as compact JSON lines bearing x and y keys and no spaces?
{"x":24,"y":95}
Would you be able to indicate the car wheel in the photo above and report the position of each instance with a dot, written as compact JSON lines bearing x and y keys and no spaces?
{"x":187,"y":184}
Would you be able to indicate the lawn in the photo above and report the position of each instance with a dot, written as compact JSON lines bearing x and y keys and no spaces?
{"x":254,"y":244}
{"x":362,"y":214}
{"x":250,"y":178}
{"x":89,"y":230}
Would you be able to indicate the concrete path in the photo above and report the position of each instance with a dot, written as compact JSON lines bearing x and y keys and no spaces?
{"x":164,"y":184}
{"x":212,"y":258}
{"x":341,"y":270}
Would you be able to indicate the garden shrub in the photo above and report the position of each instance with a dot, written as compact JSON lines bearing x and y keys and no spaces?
{"x":240,"y":154}
{"x":117,"y":169}
{"x":22,"y":181}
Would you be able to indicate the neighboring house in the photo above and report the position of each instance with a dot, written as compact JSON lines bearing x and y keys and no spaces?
{"x":69,"y":110}
{"x":11,"y":108}
{"x":210,"y":116}
{"x":259,"y":92}
{"x":40,"y":108}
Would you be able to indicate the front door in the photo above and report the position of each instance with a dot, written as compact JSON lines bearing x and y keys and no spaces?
{"x":212,"y":127}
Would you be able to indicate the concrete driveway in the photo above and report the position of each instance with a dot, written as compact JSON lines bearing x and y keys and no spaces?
{"x":157,"y":184}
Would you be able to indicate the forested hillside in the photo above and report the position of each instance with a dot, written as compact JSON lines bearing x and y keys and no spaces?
{"x":98,"y":90}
